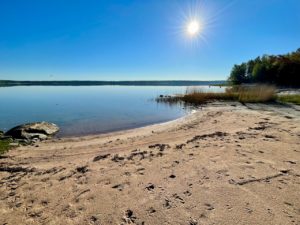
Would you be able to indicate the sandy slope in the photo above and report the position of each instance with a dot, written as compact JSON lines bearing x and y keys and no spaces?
{"x":222,"y":165}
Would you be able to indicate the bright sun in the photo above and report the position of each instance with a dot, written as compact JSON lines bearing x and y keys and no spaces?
{"x":193,"y":28}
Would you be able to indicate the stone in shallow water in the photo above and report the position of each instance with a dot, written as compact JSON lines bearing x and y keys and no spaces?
{"x":30,"y":131}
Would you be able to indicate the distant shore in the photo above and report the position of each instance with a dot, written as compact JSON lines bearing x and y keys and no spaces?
{"x":223,"y":164}
{"x":8,"y":83}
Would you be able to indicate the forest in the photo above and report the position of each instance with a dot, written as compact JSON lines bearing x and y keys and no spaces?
{"x":279,"y":70}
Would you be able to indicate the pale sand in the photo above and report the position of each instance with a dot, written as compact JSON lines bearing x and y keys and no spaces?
{"x":221,"y":165}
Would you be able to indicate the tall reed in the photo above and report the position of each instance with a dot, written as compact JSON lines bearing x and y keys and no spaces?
{"x":245,"y":94}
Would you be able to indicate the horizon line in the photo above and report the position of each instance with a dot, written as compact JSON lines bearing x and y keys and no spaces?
{"x":109,"y":80}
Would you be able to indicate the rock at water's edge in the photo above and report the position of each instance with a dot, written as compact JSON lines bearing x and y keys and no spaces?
{"x":30,"y":131}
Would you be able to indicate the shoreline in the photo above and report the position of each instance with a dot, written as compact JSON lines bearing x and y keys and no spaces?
{"x":130,"y":129}
{"x":96,"y":134}
{"x":222,"y":164}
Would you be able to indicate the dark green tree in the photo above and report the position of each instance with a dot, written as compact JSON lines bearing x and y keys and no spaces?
{"x":238,"y":74}
{"x":282,"y":70}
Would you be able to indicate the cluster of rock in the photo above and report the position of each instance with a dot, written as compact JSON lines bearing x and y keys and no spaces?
{"x":30,"y":132}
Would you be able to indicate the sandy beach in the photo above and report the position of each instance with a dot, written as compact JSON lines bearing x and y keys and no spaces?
{"x":224,"y":164}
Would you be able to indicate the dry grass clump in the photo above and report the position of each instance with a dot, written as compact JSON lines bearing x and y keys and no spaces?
{"x":200,"y":97}
{"x":244,"y":94}
{"x":294,"y":98}
{"x":254,"y":94}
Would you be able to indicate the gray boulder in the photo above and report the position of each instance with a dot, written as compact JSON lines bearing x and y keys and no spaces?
{"x":33,"y":131}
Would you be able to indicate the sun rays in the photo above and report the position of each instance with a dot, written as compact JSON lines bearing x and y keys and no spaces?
{"x":196,"y":21}
{"x":193,"y":28}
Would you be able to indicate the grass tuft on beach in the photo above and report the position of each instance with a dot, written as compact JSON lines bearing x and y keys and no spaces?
{"x":244,"y":94}
{"x":295,"y":99}
{"x":4,"y":146}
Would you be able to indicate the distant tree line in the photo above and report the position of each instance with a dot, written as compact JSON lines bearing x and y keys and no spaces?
{"x":280,"y":70}
{"x":7,"y":83}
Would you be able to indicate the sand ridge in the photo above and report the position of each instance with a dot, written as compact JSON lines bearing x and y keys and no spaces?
{"x":224,"y":164}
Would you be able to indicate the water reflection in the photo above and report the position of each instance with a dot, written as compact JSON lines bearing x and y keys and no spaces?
{"x":88,"y":110}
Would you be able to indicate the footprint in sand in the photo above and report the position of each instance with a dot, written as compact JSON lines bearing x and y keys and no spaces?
{"x":150,"y":187}
{"x":208,"y":206}
{"x":141,"y":171}
{"x":120,"y":187}
{"x":193,"y":222}
{"x":178,"y":198}
{"x":229,"y":207}
{"x":151,"y":210}
{"x":248,"y":209}
{"x":95,"y":220}
{"x":291,"y":162}
{"x":167,"y":204}
{"x":130,"y":218}
{"x":187,"y":193}
{"x":223,"y":172}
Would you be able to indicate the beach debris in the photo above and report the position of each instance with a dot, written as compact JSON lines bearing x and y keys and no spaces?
{"x":180,"y":146}
{"x":120,"y":187}
{"x":209,"y":206}
{"x":187,"y":193}
{"x":178,"y":198}
{"x":129,"y":217}
{"x":81,"y":193}
{"x":17,"y":169}
{"x":270,"y":136}
{"x":263,"y":179}
{"x":291,"y":162}
{"x":67,"y":176}
{"x":141,"y":171}
{"x":167,"y":204}
{"x":82,"y":169}
{"x":261,"y":126}
{"x":53,"y":170}
{"x":33,"y":131}
{"x":151,"y":210}
{"x":161,"y":147}
{"x":200,"y":137}
{"x":137,"y":153}
{"x":117,"y":158}
{"x":101,"y":157}
{"x":150,"y":187}
{"x":193,"y":222}
{"x":94,"y":219}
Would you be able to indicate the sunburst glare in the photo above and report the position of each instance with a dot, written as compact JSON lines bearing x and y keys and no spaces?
{"x":195,"y":21}
{"x":193,"y":28}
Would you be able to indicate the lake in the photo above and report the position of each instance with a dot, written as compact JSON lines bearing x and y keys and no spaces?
{"x":84,"y":110}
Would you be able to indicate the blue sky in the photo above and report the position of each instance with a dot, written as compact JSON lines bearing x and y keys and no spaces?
{"x":140,"y":39}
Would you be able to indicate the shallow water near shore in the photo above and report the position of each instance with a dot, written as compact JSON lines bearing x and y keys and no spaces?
{"x":88,"y":110}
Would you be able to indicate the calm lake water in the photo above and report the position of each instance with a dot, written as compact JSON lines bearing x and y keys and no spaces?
{"x":88,"y":110}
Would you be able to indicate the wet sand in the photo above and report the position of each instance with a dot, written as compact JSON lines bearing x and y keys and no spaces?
{"x":225,"y":164}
